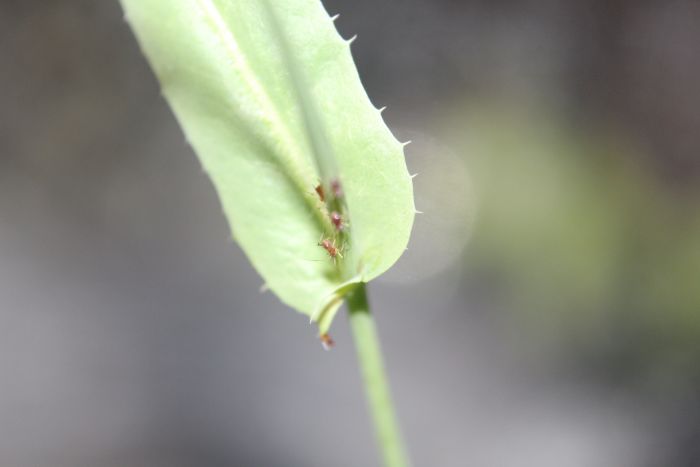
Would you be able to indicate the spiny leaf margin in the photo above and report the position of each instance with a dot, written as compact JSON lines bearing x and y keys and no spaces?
{"x":228,"y":85}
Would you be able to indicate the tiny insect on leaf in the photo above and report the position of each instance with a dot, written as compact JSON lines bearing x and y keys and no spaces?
{"x":254,"y":102}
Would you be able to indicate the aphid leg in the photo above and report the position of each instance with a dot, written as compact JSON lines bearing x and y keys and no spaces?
{"x":339,"y":253}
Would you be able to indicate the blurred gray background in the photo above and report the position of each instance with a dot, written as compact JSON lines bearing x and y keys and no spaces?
{"x":546,"y":313}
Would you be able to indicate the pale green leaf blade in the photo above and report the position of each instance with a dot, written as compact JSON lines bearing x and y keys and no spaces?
{"x":226,"y":76}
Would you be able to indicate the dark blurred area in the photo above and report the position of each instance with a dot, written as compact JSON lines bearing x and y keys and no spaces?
{"x":547,"y":312}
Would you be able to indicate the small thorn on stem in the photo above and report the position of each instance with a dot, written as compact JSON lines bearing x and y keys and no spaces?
{"x":382,"y":109}
{"x":406,"y":143}
{"x":335,"y":16}
{"x":352,"y":39}
{"x":414,"y":175}
{"x":326,"y":341}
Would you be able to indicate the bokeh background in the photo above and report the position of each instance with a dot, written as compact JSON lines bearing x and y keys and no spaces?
{"x":547,"y":312}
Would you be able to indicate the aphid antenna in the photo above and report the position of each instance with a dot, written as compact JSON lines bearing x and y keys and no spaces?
{"x":314,"y":260}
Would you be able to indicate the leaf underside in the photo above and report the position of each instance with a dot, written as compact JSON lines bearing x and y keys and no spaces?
{"x":227,"y":69}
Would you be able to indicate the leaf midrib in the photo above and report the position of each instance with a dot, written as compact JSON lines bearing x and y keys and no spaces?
{"x":288,"y":151}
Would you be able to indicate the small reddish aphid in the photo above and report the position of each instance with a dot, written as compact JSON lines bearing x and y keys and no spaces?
{"x":319,"y":191}
{"x":337,"y":220}
{"x":336,"y":188}
{"x":333,"y":251}
{"x":326,"y":341}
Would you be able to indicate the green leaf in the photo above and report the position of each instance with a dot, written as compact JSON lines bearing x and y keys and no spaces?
{"x":269,"y":97}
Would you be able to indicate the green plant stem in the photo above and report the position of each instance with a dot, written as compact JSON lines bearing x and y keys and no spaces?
{"x":369,"y":355}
